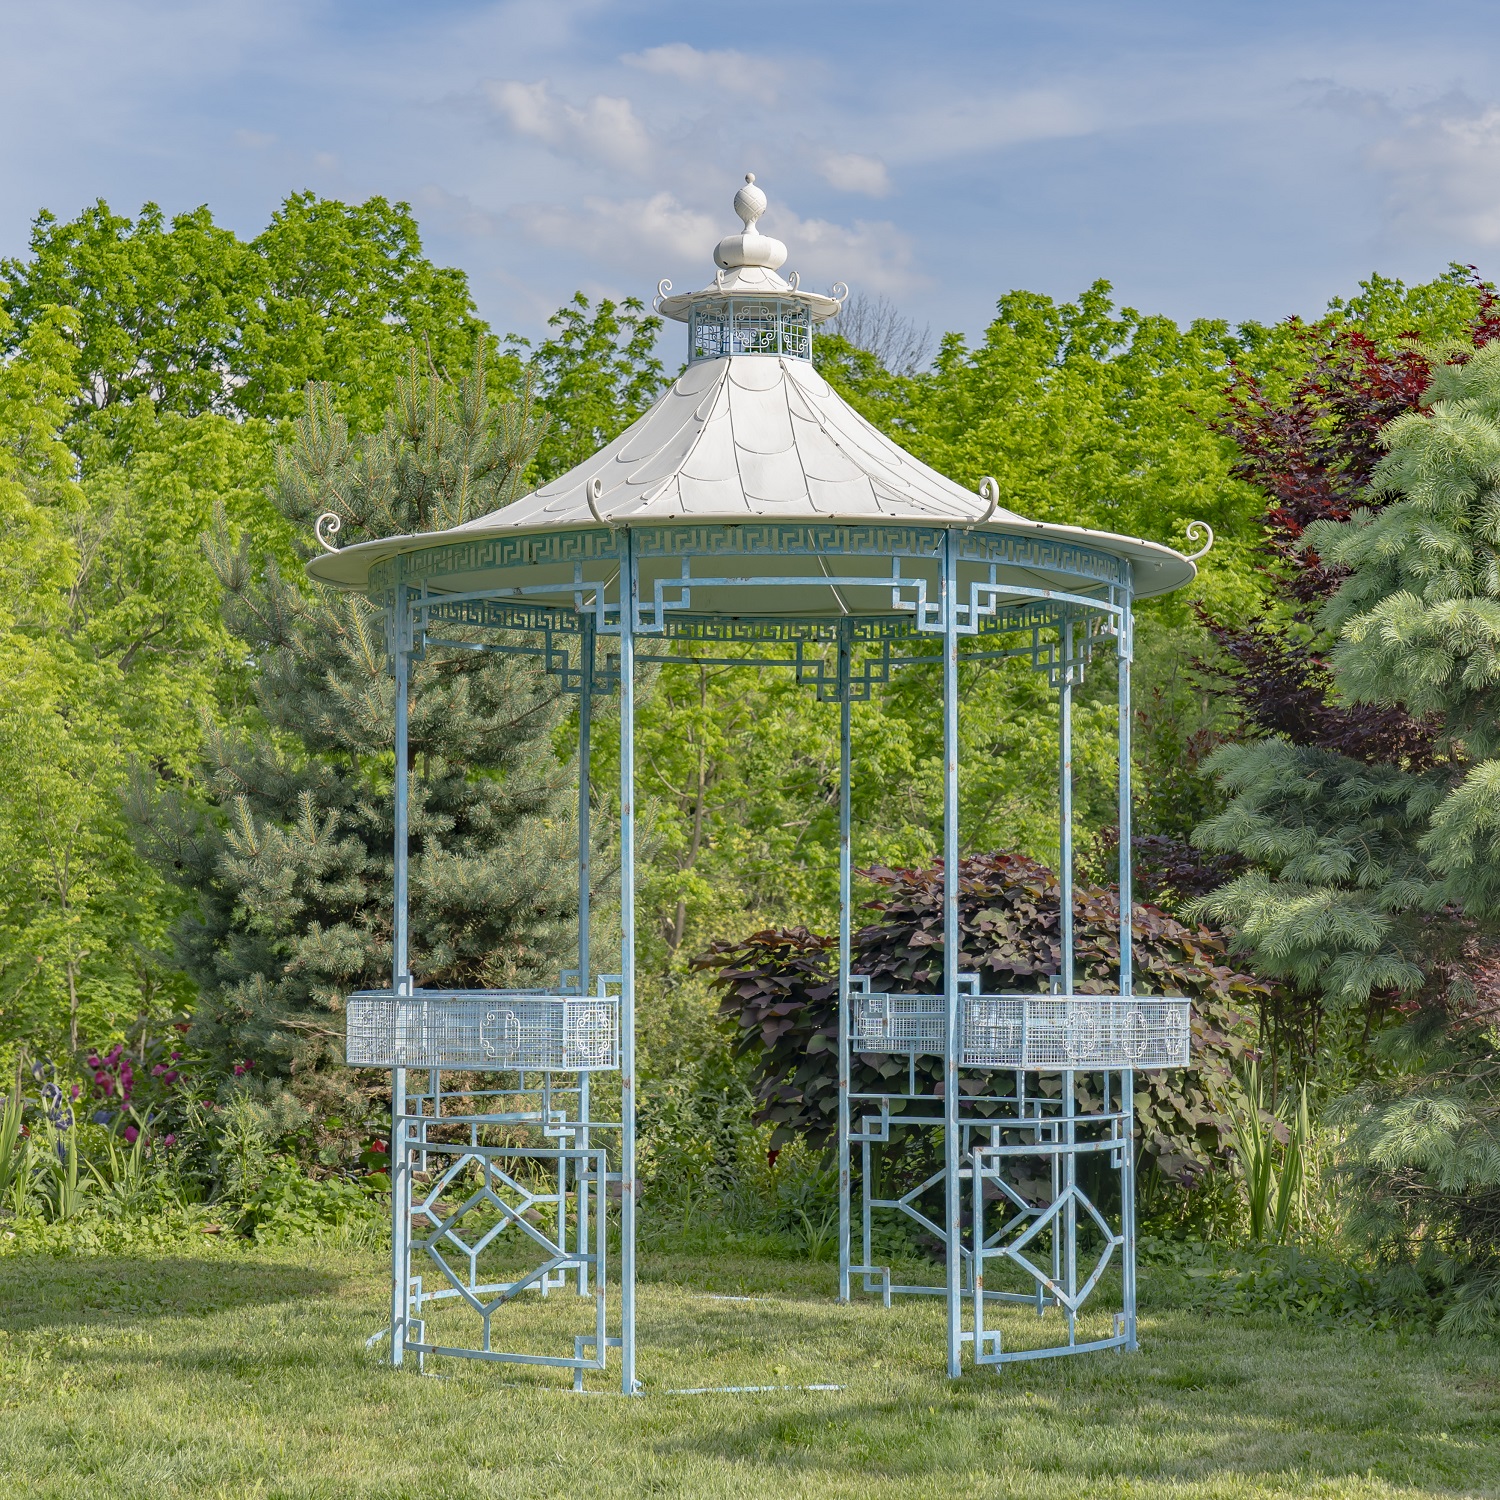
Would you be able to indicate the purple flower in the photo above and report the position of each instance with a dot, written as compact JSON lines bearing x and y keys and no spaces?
{"x":169,"y":1140}
{"x":130,"y":1133}
{"x":101,"y":1117}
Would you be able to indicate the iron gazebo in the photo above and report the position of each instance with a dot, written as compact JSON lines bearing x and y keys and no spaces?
{"x":751,"y":505}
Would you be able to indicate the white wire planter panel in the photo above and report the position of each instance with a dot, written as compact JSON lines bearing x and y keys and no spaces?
{"x":488,"y":1029}
{"x":1041,"y":1033}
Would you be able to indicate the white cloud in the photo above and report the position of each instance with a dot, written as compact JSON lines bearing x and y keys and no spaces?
{"x":850,"y":172}
{"x":1443,"y":170}
{"x":661,"y":235}
{"x":987,"y":124}
{"x":639,"y":232}
{"x":871,"y":257}
{"x":734,"y":72}
{"x":604,"y":129}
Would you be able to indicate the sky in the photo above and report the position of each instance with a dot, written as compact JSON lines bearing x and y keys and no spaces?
{"x":1226,"y":158}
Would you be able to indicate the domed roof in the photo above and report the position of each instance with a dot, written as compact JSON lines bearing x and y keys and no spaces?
{"x":750,"y":438}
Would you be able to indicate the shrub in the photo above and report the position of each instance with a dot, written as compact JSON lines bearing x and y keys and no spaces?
{"x":779,"y":991}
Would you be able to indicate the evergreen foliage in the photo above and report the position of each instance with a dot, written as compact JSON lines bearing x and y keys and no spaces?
{"x":284,"y":836}
{"x":1375,"y":880}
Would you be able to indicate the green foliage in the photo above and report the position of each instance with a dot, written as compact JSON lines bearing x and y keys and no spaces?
{"x":1423,"y":1155}
{"x":1305,"y":1288}
{"x":283,"y":836}
{"x":739,"y":772}
{"x":1084,"y":413}
{"x":344,"y":292}
{"x":108,"y":638}
{"x":158,"y":304}
{"x":1379,"y":879}
{"x":595,"y":375}
{"x":1272,"y":1154}
{"x":186,"y":317}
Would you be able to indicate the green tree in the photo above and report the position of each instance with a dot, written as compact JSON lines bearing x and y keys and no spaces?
{"x":109,"y":638}
{"x":1380,"y":878}
{"x":344,"y":292}
{"x":1085,"y":414}
{"x":594,"y":376}
{"x":158,"y":306}
{"x":188,"y":318}
{"x":284,"y":837}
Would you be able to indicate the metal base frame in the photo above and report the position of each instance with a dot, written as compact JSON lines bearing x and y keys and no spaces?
{"x":460,"y":1202}
{"x":1033,"y":1225}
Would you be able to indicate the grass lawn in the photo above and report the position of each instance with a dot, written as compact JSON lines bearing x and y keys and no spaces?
{"x":244,"y":1372}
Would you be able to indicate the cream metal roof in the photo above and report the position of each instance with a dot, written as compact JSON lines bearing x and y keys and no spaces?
{"x":748,"y":438}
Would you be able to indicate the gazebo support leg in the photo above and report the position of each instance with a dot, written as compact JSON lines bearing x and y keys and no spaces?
{"x":952,"y":1147}
{"x":1067,"y":1224}
{"x":400,"y":980}
{"x":845,"y":898}
{"x":1125,"y":656}
{"x":627,"y":970}
{"x":585,"y":855}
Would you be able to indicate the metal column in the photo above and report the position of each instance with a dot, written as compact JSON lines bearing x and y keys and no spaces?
{"x":1125,"y":655}
{"x":585,"y":876}
{"x":845,"y":900}
{"x":628,"y":591}
{"x":1068,"y":1127}
{"x":952,"y":1149}
{"x":1065,"y":804}
{"x":400,"y":642}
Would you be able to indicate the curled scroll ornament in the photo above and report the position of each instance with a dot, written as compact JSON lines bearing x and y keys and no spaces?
{"x":333,"y":523}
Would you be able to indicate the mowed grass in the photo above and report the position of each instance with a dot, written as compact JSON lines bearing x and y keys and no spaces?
{"x":245,"y":1372}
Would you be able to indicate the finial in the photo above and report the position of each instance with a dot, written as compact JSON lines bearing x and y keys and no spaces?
{"x":750,"y":247}
{"x":749,"y":203}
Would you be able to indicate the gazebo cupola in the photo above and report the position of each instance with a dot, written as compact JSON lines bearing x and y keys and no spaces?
{"x":750,"y":308}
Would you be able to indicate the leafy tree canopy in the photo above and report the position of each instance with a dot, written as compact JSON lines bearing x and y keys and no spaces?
{"x":186,"y":316}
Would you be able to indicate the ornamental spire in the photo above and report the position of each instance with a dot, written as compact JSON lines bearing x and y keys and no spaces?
{"x":749,"y":264}
{"x":751,"y":247}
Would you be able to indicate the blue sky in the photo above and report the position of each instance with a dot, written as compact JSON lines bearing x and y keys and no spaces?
{"x":1244,"y":159}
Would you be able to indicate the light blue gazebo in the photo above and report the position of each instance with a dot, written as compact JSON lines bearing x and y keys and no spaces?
{"x":752,"y":505}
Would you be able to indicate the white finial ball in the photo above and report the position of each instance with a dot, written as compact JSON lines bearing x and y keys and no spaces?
{"x":749,"y":202}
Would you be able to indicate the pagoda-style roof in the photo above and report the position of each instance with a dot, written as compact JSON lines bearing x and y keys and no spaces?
{"x":753,"y":437}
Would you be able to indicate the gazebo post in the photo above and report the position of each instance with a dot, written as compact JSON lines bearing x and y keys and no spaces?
{"x":1125,"y":655}
{"x":585,"y":877}
{"x":952,"y":1148}
{"x":1069,"y":1163}
{"x":400,"y":977}
{"x":845,"y":664}
{"x":628,"y":605}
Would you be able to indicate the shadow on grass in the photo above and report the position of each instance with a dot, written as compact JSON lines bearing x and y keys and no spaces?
{"x":41,"y":1291}
{"x":1082,"y":1441}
